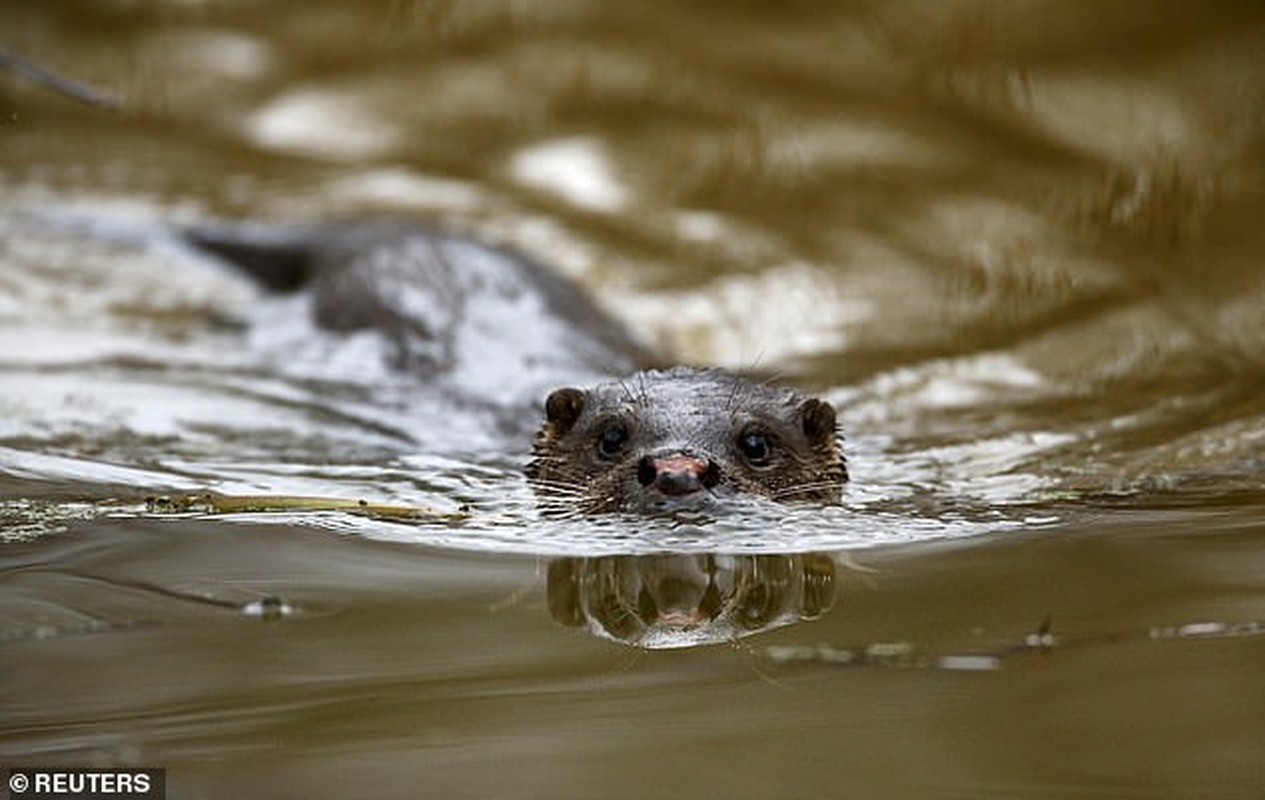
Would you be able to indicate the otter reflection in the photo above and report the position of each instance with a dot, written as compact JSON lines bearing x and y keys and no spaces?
{"x":672,"y":601}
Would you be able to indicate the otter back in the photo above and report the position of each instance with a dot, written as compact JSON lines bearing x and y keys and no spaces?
{"x":467,"y":316}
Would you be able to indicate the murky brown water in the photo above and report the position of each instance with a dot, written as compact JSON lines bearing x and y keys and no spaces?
{"x":1019,"y":245}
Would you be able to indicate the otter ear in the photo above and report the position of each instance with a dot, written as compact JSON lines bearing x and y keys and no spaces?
{"x":563,"y":407}
{"x":818,"y":420}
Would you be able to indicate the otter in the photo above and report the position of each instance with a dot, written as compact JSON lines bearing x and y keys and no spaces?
{"x":500,"y":330}
{"x":664,"y":440}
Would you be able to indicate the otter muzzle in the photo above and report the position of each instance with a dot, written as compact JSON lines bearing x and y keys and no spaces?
{"x":676,"y":474}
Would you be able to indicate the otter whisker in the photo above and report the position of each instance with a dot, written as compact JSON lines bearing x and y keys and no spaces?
{"x":560,"y":512}
{"x":754,"y":663}
{"x":629,"y":395}
{"x":801,"y":490}
{"x":732,"y":402}
{"x":809,"y":486}
{"x":560,"y":488}
{"x":774,"y":378}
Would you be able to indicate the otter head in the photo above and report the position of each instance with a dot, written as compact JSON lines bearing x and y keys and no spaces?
{"x":681,"y":439}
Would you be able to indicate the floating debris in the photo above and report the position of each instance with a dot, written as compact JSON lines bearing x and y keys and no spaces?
{"x":899,"y":654}
{"x":1208,"y":630}
{"x":821,"y":653}
{"x":270,"y":607}
{"x":969,"y":663}
{"x":28,"y":520}
{"x":1043,"y":639}
{"x":212,"y":503}
{"x":41,"y":632}
{"x":886,"y":653}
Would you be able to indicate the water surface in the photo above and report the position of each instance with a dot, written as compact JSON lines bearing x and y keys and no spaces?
{"x":1018,"y":246}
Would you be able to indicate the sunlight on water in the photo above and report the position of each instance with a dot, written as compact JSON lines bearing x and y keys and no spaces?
{"x":577,"y":170}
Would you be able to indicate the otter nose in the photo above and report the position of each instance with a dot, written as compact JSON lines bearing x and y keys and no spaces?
{"x":677,"y":474}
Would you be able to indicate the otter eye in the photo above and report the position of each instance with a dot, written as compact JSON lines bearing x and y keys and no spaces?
{"x":755,"y":447}
{"x":612,"y":440}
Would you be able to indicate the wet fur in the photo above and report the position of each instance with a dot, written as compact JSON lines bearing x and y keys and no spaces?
{"x":687,"y":410}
